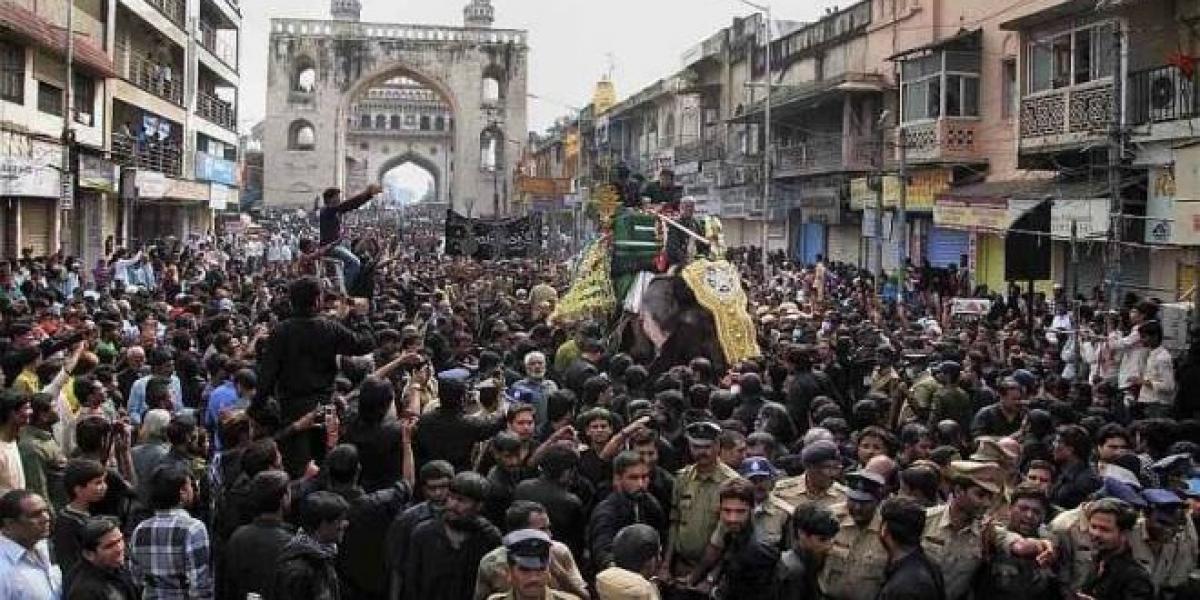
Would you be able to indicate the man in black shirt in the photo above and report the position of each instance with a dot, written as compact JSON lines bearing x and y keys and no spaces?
{"x":444,"y":553}
{"x":435,"y":479}
{"x":910,"y":574}
{"x":557,"y":465}
{"x":330,"y":217}
{"x":299,"y":366}
{"x":249,"y":559}
{"x":813,"y":529}
{"x":629,"y":502}
{"x":1115,"y":574}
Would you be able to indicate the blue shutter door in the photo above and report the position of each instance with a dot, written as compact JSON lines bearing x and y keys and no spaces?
{"x":947,"y":247}
{"x":814,"y":242}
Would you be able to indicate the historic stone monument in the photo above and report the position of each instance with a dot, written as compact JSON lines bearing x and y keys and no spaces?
{"x":347,"y":101}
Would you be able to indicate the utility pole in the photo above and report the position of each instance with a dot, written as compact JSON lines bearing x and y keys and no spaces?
{"x":1076,"y":325}
{"x":66,"y":200}
{"x":1116,"y":150}
{"x":880,"y":141}
{"x":901,"y":210}
{"x":768,"y":145}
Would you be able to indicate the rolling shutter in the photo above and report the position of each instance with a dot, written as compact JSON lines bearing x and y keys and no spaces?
{"x":845,"y":244}
{"x":947,"y":247}
{"x":37,"y":221}
{"x":812,"y":242}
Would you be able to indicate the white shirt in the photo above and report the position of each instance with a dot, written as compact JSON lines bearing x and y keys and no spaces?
{"x":28,"y":574}
{"x":12,"y":474}
{"x":1133,"y":356}
{"x":1160,"y":375}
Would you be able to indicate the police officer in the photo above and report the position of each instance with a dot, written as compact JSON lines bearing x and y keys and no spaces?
{"x":529,"y":567}
{"x":854,"y":568}
{"x":695,"y":499}
{"x":1164,"y":542}
{"x":959,"y":540}
{"x":818,"y":483}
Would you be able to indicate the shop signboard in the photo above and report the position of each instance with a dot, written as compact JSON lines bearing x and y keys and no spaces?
{"x":97,"y":174}
{"x":21,"y":176}
{"x":1160,"y":205}
{"x":215,"y":169}
{"x":218,"y":196}
{"x":150,"y":185}
{"x":1090,"y":216}
{"x":986,"y":213}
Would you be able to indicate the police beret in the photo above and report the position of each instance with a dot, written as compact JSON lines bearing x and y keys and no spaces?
{"x":865,"y":486}
{"x":529,"y":548}
{"x":985,"y":475}
{"x":818,"y":452}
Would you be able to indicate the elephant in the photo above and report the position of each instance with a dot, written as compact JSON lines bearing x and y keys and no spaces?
{"x":671,"y":329}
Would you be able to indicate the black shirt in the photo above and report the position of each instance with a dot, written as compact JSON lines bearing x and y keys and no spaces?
{"x":1118,"y":577}
{"x":249,"y":558}
{"x":913,"y":577}
{"x":300,"y":361}
{"x":437,"y":568}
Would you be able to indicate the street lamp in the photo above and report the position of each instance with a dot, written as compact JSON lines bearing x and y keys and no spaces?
{"x":768,"y":145}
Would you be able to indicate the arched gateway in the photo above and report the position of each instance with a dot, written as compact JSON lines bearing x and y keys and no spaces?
{"x":371,"y":96}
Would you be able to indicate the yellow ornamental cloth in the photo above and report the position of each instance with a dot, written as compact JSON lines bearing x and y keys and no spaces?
{"x":718,"y":288}
{"x":591,"y":295}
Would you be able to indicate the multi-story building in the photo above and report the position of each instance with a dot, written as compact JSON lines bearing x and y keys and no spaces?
{"x":154,"y":93}
{"x":33,"y":104}
{"x":174,"y":112}
{"x":988,"y":109}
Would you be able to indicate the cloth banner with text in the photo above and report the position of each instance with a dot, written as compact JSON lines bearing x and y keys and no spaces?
{"x":492,"y":239}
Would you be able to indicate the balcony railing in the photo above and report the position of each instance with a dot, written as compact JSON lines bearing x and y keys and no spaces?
{"x":164,"y":81}
{"x":209,"y":40}
{"x":825,"y":153}
{"x":948,"y":138}
{"x":358,"y":129}
{"x":216,"y":110}
{"x":1163,"y":94}
{"x":161,"y":156}
{"x":1081,"y":109}
{"x":175,"y":10}
{"x":698,"y":151}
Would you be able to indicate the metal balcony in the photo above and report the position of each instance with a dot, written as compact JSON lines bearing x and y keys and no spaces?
{"x":207,"y":36}
{"x":825,"y":153}
{"x":164,"y":81}
{"x":161,"y":156}
{"x":175,"y":10}
{"x":1163,"y":94}
{"x":216,"y":111}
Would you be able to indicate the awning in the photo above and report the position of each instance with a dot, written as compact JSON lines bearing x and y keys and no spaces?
{"x":43,"y":33}
{"x":1070,"y":8}
{"x":963,"y":40}
{"x":797,"y":95}
{"x":1028,"y":189}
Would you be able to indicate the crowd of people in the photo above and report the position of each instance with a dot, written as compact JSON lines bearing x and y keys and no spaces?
{"x":197,"y":421}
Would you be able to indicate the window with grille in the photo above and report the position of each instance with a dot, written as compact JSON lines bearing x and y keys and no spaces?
{"x":12,"y":72}
{"x":940,"y":84}
{"x":50,"y":99}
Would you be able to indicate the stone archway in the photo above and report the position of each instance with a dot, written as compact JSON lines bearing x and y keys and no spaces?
{"x":350,"y":58}
{"x":418,"y":160}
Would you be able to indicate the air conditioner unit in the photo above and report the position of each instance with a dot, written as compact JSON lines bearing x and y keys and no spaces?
{"x":1170,"y":94}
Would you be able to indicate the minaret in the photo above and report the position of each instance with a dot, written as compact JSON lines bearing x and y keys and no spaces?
{"x":605,"y":95}
{"x":479,"y":14}
{"x":346,"y":10}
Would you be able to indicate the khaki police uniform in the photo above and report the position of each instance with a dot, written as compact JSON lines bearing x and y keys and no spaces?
{"x":492,"y":576}
{"x":550,"y":595}
{"x":854,"y":568}
{"x":958,"y":552}
{"x":789,"y":493}
{"x":615,"y":583}
{"x":695,"y":508}
{"x":1169,"y":564}
{"x":1071,"y":528}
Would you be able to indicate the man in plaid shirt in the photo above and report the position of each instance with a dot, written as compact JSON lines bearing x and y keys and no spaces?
{"x":170,"y":552}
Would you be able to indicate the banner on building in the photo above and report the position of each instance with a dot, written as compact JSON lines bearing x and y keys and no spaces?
{"x":150,"y":184}
{"x":986,"y":213}
{"x":98,"y":174}
{"x":543,"y":186}
{"x":20,"y":176}
{"x":924,"y":186}
{"x":218,"y":196}
{"x":215,"y":169}
{"x":480,"y":239}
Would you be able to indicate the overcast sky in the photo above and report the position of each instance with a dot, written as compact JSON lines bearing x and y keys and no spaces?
{"x":570,"y":40}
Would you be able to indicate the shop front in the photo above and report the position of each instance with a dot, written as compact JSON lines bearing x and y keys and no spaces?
{"x":170,"y":208}
{"x":971,"y":227}
{"x":29,"y":190}
{"x":1173,"y":230}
